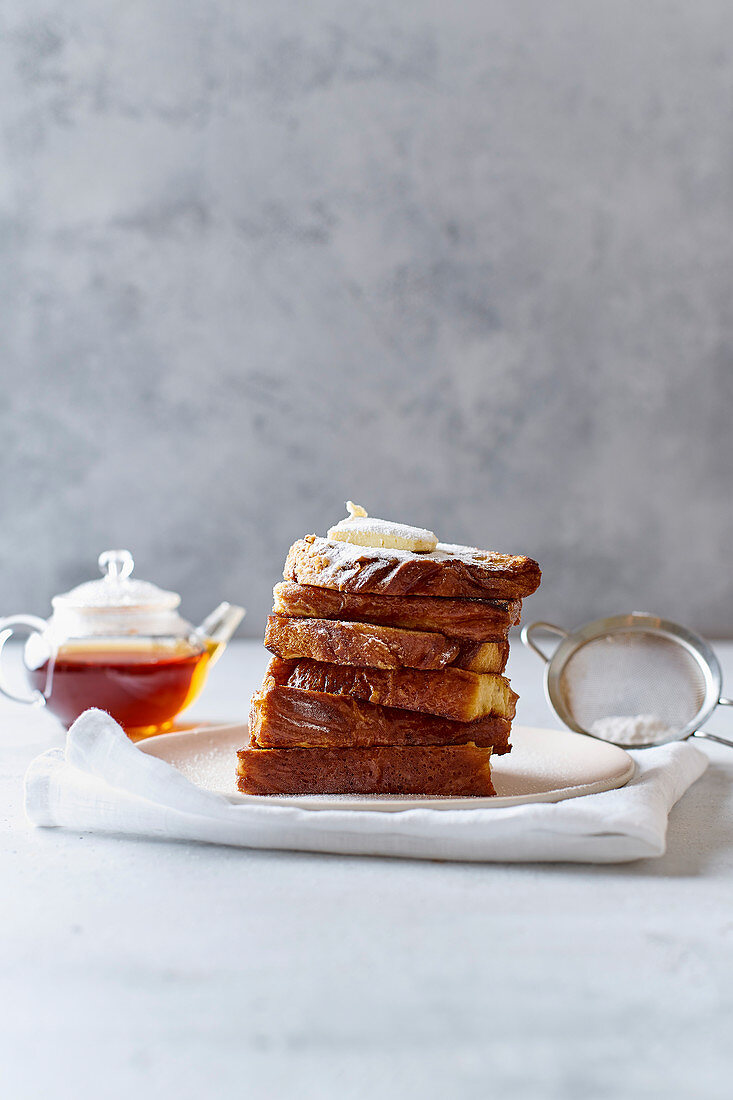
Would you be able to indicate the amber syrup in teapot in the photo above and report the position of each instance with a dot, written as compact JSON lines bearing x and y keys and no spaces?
{"x":143,"y":685}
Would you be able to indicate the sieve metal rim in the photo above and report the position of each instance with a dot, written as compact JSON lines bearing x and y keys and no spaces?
{"x":634,"y":622}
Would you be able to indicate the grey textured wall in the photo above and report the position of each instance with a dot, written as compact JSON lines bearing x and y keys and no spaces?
{"x":469,"y":264}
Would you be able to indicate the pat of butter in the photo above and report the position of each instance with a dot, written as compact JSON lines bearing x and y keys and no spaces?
{"x":364,"y":530}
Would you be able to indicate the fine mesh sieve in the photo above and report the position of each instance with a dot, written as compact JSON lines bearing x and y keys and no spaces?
{"x":636,"y":680}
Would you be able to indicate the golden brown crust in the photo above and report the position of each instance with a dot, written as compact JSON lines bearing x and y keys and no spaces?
{"x":345,"y":643}
{"x":465,"y":620}
{"x":455,"y":770}
{"x":378,"y":647}
{"x":483,"y":656}
{"x":459,"y":571}
{"x":450,"y":692}
{"x":288,"y":717}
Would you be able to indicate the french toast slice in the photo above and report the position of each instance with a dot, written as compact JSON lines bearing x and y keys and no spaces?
{"x":345,"y":643}
{"x":449,"y":570}
{"x":457,"y":770}
{"x":463,"y":619}
{"x":291,"y":717}
{"x":449,"y":692}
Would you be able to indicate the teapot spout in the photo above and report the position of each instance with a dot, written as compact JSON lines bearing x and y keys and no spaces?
{"x":218,"y":627}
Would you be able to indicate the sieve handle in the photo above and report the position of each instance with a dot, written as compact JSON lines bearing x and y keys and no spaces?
{"x":549,"y":628}
{"x":714,"y":736}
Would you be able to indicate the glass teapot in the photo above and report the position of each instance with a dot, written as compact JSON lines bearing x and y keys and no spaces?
{"x":118,"y":644}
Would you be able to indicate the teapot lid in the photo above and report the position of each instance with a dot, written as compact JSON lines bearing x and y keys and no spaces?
{"x":115,"y":590}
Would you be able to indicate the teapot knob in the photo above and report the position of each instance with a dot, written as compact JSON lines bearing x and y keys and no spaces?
{"x":116,"y":564}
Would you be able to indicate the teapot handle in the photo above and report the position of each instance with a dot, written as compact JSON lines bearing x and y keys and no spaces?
{"x":7,"y":627}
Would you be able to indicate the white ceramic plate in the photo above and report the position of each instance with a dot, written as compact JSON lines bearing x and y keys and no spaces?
{"x":543,"y":766}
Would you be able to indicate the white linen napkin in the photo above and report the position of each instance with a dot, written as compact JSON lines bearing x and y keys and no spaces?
{"x":102,"y":782}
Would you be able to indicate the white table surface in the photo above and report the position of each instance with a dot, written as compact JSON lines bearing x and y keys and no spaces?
{"x":141,"y":969}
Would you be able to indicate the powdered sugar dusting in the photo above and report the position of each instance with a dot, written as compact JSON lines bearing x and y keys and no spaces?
{"x":632,"y":729}
{"x":346,"y":552}
{"x":543,"y":766}
{"x":373,"y":526}
{"x":365,"y":530}
{"x":211,"y":768}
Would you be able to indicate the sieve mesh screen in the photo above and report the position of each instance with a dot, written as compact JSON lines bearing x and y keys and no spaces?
{"x":633,"y":672}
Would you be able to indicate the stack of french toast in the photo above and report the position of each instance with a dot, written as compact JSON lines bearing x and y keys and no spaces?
{"x":387,"y":675}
